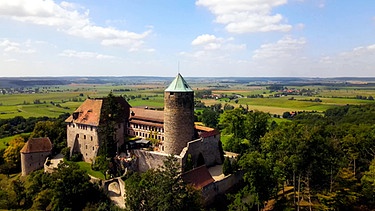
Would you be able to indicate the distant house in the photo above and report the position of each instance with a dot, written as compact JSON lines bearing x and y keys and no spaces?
{"x":34,"y":153}
{"x":83,"y":133}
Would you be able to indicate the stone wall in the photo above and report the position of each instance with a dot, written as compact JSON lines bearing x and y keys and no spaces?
{"x":87,"y":140}
{"x":150,"y":159}
{"x":32,"y":161}
{"x":208,"y":148}
{"x":178,"y":121}
{"x":216,"y":188}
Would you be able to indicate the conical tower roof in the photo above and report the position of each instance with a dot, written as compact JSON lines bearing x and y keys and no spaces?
{"x":179,"y":85}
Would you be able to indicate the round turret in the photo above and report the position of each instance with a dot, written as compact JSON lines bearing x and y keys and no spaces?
{"x":178,"y":116}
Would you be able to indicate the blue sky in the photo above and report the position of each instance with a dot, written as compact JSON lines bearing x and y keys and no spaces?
{"x":252,"y":38}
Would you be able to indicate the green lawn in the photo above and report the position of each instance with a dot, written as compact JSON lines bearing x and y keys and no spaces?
{"x":87,"y":167}
{"x":6,"y":140}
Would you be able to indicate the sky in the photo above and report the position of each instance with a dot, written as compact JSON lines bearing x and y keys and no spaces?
{"x":220,"y":38}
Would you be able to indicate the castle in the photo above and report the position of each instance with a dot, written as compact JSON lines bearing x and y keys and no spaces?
{"x":173,"y":128}
{"x":172,"y":132}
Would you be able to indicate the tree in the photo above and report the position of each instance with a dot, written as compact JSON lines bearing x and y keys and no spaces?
{"x":19,"y":189}
{"x":55,"y":130}
{"x":111,"y":114}
{"x":227,"y":166}
{"x":161,"y":189}
{"x":71,"y":187}
{"x":232,"y":122}
{"x":256,"y":126}
{"x":210,"y":118}
{"x":258,"y":177}
{"x":368,"y":185}
{"x":345,"y":193}
{"x":12,"y":154}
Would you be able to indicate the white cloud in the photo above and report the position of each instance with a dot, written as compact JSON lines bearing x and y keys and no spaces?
{"x":359,"y":59}
{"x":204,"y":38}
{"x":209,"y":42}
{"x":85,"y":55}
{"x":14,"y":47}
{"x":287,"y":47}
{"x":71,"y":19}
{"x":287,"y":57}
{"x":244,"y":16}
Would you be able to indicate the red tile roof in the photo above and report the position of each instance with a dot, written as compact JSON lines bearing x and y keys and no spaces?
{"x":134,"y":121}
{"x":88,"y":112}
{"x":209,"y":134}
{"x":203,"y":128}
{"x":198,"y":177}
{"x":37,"y":145}
{"x":147,"y":114}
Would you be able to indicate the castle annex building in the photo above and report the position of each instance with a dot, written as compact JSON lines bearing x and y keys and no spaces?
{"x":34,"y":154}
{"x":83,"y":126}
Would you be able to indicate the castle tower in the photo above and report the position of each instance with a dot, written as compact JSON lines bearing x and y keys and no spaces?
{"x":178,"y":116}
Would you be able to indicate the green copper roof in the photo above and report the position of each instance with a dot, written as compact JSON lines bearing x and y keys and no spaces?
{"x":179,"y":85}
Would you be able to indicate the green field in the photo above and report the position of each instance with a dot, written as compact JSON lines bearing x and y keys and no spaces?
{"x":54,"y":101}
{"x":6,"y":140}
{"x":278,"y":105}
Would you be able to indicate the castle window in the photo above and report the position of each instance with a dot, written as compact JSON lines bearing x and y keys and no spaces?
{"x":86,"y":146}
{"x":84,"y":136}
{"x":91,"y":138}
{"x":74,"y":126}
{"x":91,"y":128}
{"x":92,"y":148}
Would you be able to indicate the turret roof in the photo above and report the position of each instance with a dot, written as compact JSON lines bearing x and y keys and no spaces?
{"x":179,"y":85}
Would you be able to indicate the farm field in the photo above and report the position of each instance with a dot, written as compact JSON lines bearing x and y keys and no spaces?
{"x":53,"y":101}
{"x":278,"y":105}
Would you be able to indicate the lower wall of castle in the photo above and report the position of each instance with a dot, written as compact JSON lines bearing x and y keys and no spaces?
{"x":150,"y":159}
{"x":209,"y":192}
{"x":208,"y":148}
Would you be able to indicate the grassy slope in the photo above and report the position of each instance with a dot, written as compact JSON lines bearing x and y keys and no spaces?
{"x":4,"y":141}
{"x":87,"y":167}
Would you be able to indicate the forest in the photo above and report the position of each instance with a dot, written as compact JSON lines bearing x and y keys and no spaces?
{"x":313,"y":162}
